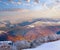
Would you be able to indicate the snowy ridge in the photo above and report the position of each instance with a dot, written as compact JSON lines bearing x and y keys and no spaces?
{"x":48,"y":46}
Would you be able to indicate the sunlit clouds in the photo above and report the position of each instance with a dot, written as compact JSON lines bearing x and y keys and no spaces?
{"x":19,"y":9}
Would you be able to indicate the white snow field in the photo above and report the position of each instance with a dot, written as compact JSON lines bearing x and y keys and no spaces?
{"x":48,"y":46}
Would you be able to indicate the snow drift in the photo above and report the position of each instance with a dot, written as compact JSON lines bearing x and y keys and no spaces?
{"x":48,"y":46}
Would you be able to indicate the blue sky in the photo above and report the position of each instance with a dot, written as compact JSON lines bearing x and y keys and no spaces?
{"x":25,"y":4}
{"x":13,"y":4}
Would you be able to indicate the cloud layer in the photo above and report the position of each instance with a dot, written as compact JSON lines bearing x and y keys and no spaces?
{"x":29,"y":9}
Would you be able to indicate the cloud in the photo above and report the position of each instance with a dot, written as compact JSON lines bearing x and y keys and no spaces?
{"x":19,"y":3}
{"x":37,"y":1}
{"x":0,"y":0}
{"x":28,"y":0}
{"x":9,"y":0}
{"x":51,"y":4}
{"x":45,"y":11}
{"x":5,"y":3}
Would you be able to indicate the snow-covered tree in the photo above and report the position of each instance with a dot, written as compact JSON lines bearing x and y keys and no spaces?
{"x":22,"y":44}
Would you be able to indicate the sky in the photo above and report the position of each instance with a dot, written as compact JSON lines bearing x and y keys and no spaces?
{"x":28,"y":9}
{"x":20,"y":4}
{"x":24,"y":4}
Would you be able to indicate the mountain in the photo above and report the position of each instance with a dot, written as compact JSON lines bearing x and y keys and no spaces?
{"x":24,"y":23}
{"x":32,"y":30}
{"x":35,"y":32}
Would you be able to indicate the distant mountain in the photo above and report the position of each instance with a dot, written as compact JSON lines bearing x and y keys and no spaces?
{"x":40,"y":19}
{"x":34,"y":29}
{"x":37,"y":32}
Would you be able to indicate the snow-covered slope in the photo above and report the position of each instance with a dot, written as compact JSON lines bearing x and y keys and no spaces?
{"x":48,"y":46}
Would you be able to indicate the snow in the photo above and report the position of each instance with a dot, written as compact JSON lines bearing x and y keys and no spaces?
{"x":48,"y":46}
